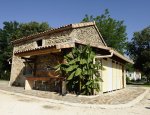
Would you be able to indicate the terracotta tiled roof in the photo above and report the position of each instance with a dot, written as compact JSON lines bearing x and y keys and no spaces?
{"x":38,"y":48}
{"x":116,"y":53}
{"x":62,"y":28}
{"x":92,"y":44}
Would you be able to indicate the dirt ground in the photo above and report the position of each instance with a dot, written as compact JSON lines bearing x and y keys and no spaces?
{"x":11,"y":104}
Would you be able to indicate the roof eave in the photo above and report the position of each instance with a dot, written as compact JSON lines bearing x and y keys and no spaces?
{"x":122,"y":57}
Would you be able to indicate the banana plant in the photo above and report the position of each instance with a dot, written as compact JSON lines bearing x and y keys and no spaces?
{"x":82,"y":75}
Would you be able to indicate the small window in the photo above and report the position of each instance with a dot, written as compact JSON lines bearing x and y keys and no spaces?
{"x":39,"y":43}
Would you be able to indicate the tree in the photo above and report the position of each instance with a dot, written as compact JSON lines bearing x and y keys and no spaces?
{"x":32,"y":28}
{"x":113,"y":31}
{"x":139,"y":51}
{"x":14,"y":30}
{"x":81,"y":74}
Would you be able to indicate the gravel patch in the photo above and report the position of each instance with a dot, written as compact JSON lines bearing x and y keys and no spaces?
{"x":112,"y":98}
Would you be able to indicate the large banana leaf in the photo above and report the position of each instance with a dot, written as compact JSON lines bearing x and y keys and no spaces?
{"x":71,"y":68}
{"x":71,"y":76}
{"x":78,"y":72}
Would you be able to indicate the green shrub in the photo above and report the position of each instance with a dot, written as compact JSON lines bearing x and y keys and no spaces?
{"x":128,"y":80}
{"x":5,"y":75}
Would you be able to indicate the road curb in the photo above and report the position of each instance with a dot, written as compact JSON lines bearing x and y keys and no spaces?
{"x":104,"y":106}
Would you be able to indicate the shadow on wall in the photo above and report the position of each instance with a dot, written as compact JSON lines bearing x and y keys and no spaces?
{"x":20,"y":79}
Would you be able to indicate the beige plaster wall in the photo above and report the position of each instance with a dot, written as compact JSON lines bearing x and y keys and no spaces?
{"x":114,"y":76}
{"x":117,"y":74}
{"x":105,"y":76}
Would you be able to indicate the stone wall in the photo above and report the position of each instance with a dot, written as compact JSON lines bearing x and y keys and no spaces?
{"x":46,"y":63}
{"x":48,"y":40}
{"x":25,"y":46}
{"x":30,"y":44}
{"x":45,"y":67}
{"x":60,"y":37}
{"x":88,"y":35}
{"x":17,"y":67}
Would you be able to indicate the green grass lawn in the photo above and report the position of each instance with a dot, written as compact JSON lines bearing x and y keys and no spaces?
{"x":146,"y":84}
{"x":139,"y":84}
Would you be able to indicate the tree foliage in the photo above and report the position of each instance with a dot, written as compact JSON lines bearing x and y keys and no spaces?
{"x":11,"y":31}
{"x":129,"y":67}
{"x":81,"y":74}
{"x":113,"y":31}
{"x":139,"y":51}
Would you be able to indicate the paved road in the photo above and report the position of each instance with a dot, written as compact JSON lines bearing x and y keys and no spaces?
{"x":18,"y":105}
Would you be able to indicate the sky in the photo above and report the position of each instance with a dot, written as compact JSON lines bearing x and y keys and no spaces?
{"x":135,"y":13}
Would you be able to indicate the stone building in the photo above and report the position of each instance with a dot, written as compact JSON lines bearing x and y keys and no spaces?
{"x":35,"y":56}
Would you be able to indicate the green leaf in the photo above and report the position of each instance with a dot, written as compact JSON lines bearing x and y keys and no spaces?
{"x":71,"y":76}
{"x":71,"y":68}
{"x":88,"y":83}
{"x":72,"y":62}
{"x":78,"y":72}
{"x":57,"y":67}
{"x":69,"y":56}
{"x":83,"y":61}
